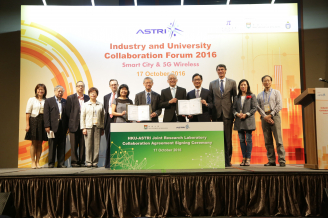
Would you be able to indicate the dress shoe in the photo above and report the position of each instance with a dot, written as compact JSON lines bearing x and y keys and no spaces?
{"x":63,"y":166}
{"x":95,"y":166}
{"x":75,"y":165}
{"x":89,"y":166}
{"x":51,"y":166}
{"x":282,"y":164}
{"x":270,"y":164}
{"x":82,"y":165}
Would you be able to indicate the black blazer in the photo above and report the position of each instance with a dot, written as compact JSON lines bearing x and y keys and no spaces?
{"x":166,"y":96}
{"x":140,"y":99}
{"x":51,"y":114}
{"x":205,"y":94}
{"x":106,"y":107}
{"x":73,"y":111}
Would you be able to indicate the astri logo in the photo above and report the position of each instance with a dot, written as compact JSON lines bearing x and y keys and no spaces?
{"x":145,"y":126}
{"x":321,"y":94}
{"x":172,"y":30}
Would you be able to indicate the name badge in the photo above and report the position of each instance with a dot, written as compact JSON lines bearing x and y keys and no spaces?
{"x":267,"y":108}
{"x":41,"y":110}
{"x":94,"y":121}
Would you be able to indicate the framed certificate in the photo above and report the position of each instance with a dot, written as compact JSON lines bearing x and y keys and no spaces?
{"x":138,"y":112}
{"x":190,"y":107}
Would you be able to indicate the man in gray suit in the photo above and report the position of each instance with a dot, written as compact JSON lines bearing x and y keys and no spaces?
{"x":223,"y":91}
{"x":149,"y":97}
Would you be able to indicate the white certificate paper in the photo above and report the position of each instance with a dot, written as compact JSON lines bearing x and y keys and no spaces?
{"x":190,"y":107}
{"x":138,"y":112}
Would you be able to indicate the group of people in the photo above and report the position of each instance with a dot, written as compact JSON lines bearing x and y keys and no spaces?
{"x":86,"y":119}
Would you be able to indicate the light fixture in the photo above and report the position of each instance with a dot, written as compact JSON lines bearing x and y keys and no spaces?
{"x":228,"y":2}
{"x":135,"y":3}
{"x":272,"y":2}
{"x":44,"y":2}
{"x":93,"y":2}
{"x":181,"y":2}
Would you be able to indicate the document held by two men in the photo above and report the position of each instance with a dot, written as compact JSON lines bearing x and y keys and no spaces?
{"x":138,"y":112}
{"x":190,"y":107}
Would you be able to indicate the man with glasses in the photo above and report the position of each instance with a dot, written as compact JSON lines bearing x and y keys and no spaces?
{"x":55,"y":123}
{"x":169,"y":98}
{"x":269,"y":106}
{"x":149,"y":97}
{"x":206,"y":99}
{"x":223,"y":91}
{"x":73,"y":111}
{"x":108,"y":100}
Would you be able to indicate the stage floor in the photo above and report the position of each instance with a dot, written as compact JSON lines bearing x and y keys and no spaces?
{"x":84,"y":171}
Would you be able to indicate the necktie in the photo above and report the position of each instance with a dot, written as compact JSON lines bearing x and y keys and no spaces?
{"x":148,"y":98}
{"x":221,"y":87}
{"x":173,"y":92}
{"x":197,"y":93}
{"x":111,"y":115}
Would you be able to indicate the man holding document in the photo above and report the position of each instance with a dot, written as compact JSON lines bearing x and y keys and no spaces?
{"x":169,"y":98}
{"x":149,"y":97}
{"x":206,"y":99}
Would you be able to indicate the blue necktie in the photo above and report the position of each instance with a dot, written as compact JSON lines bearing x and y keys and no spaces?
{"x":221,"y":87}
{"x":148,"y":98}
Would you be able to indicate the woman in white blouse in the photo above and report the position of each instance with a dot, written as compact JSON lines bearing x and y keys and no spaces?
{"x":35,"y":130}
{"x":92,"y":123}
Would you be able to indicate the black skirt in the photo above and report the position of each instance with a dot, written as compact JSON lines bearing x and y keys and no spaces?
{"x":37,"y":130}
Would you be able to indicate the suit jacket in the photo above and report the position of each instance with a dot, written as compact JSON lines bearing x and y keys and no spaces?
{"x":107,"y":108}
{"x":73,"y":111}
{"x":249,"y":108}
{"x":140,"y":99}
{"x":204,"y":95}
{"x":166,"y":96}
{"x":51,"y":114}
{"x":223,"y":104}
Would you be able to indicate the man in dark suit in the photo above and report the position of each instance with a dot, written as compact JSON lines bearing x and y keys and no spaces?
{"x":108,"y":99}
{"x":55,"y":120}
{"x":73,"y":111}
{"x":206,"y":99}
{"x":169,"y":98}
{"x":223,"y":91}
{"x":149,"y":97}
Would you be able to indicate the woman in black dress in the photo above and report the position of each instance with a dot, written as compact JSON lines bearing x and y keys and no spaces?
{"x":35,"y":130}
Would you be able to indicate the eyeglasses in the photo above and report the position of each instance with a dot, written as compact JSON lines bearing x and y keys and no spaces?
{"x":113,"y":85}
{"x":197,"y":80}
{"x":79,"y":86}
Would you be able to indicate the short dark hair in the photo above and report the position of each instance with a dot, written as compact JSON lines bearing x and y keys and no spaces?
{"x":92,"y":89}
{"x":79,"y":82}
{"x":266,"y":76}
{"x":121,"y":87}
{"x":197,"y":74}
{"x":40,"y":85}
{"x":221,"y":65}
{"x":113,"y":80}
{"x":248,"y":92}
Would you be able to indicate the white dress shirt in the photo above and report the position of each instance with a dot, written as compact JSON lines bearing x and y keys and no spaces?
{"x":110,"y":103}
{"x":224,"y":82}
{"x":34,"y":106}
{"x":200,"y":90}
{"x":173,"y":92}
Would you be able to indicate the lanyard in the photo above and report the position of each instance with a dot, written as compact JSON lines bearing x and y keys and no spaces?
{"x":269,"y":96}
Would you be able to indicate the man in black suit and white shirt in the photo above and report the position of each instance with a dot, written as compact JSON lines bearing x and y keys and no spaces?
{"x":149,"y":97}
{"x":223,"y":91}
{"x":108,"y":99}
{"x":169,"y":98}
{"x":73,"y":111}
{"x":55,"y":120}
{"x":206,"y":99}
